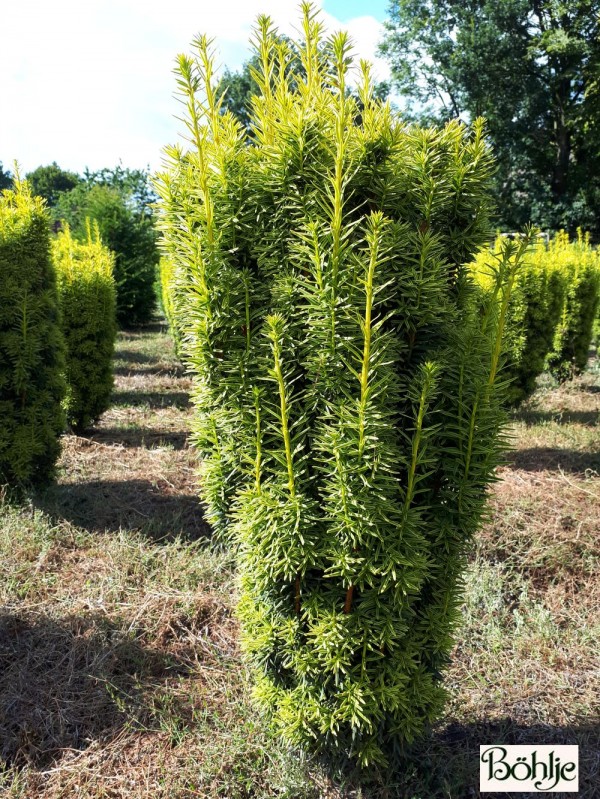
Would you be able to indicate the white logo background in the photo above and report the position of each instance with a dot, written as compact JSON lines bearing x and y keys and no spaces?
{"x":532,"y":769}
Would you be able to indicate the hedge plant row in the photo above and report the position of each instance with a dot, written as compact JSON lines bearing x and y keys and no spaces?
{"x":40,"y":377}
{"x":347,"y":390}
{"x":552,"y":309}
{"x":87,"y":296}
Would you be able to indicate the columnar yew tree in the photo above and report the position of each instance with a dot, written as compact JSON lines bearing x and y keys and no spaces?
{"x":31,"y":346}
{"x":87,"y":294}
{"x":348,"y":410}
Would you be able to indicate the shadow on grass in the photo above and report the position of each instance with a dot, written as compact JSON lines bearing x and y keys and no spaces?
{"x":66,"y":683}
{"x":591,"y":388}
{"x":157,"y":368}
{"x":445,"y":764}
{"x":541,"y":459}
{"x":156,"y":325}
{"x":134,"y":357}
{"x":149,"y":438}
{"x":70,"y":683}
{"x":533,"y":417}
{"x":133,"y":362}
{"x":141,"y":505}
{"x":152,"y":399}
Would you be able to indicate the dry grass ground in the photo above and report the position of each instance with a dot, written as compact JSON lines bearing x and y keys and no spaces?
{"x":119,"y":669}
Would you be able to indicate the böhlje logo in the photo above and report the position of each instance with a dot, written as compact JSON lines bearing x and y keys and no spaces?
{"x":531,"y":768}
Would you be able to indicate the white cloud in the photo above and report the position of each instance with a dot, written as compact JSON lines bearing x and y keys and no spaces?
{"x":90,"y":83}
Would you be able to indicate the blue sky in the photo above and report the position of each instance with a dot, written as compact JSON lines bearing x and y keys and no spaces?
{"x":348,"y":9}
{"x":90,"y":83}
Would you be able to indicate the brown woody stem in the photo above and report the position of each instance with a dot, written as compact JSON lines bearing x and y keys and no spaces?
{"x":348,"y":602}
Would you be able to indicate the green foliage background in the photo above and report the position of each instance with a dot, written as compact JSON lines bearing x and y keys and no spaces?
{"x":579,"y":265}
{"x":51,"y":181}
{"x":6,"y":180}
{"x":535,"y":309}
{"x":87,"y":297}
{"x":348,"y":410}
{"x":31,"y":347}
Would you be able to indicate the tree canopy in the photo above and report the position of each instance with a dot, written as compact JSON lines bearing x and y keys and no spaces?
{"x":132,"y":184}
{"x":530,"y":67}
{"x":51,"y":181}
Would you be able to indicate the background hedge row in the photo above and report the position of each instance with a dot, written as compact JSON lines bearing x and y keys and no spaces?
{"x":552,"y":309}
{"x":57,"y":333}
{"x":579,"y":265}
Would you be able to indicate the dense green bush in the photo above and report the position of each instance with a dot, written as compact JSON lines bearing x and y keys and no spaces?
{"x":579,"y":265}
{"x":347,"y":406}
{"x":31,"y":346}
{"x":533,"y":314}
{"x":87,"y":298}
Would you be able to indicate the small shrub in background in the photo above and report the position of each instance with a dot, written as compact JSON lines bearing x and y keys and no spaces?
{"x":31,"y":346}
{"x":579,"y":265}
{"x":88,"y":301}
{"x":534,"y":312}
{"x":125,"y":230}
{"x":348,"y":410}
{"x":169,"y":300}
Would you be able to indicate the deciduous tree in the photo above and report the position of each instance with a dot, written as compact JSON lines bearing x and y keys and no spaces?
{"x":51,"y":181}
{"x":531,"y":68}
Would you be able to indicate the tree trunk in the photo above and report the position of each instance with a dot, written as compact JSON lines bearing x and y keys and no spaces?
{"x":563,"y":143}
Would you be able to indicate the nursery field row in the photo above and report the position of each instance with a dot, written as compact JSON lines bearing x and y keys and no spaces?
{"x":120,"y":673}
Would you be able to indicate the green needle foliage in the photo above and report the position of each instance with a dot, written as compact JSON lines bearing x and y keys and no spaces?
{"x":87,"y":295}
{"x":534,"y":312}
{"x":579,"y":265}
{"x":348,"y":406}
{"x":31,"y":345}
